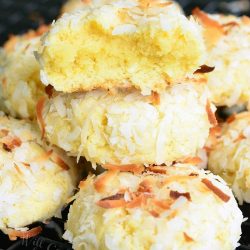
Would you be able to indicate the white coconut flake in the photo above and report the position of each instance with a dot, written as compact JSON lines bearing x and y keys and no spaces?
{"x":124,"y":29}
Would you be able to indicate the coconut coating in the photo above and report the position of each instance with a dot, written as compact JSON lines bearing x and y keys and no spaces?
{"x":128,"y":128}
{"x":230,"y":158}
{"x":72,"y":5}
{"x":2,"y":63}
{"x":229,"y":82}
{"x":139,"y":43}
{"x":20,"y":75}
{"x":35,"y":180}
{"x":154,"y":211}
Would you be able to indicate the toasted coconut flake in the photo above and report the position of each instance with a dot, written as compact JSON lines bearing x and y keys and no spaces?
{"x":194,"y":174}
{"x":163,"y":204}
{"x":155,"y":98}
{"x":118,"y":200}
{"x":231,"y":118}
{"x":213,"y":29}
{"x":49,"y":90}
{"x":102,"y":180}
{"x":113,"y":201}
{"x":200,"y":80}
{"x":204,"y":69}
{"x":39,"y":111}
{"x":187,"y":237}
{"x":228,"y":26}
{"x":208,"y":149}
{"x":233,"y":23}
{"x":224,"y":197}
{"x":192,"y":160}
{"x":14,"y":234}
{"x":157,"y":169}
{"x":134,"y":168}
{"x":154,"y":213}
{"x":43,"y":157}
{"x":175,"y":195}
{"x":18,"y":169}
{"x":215,"y":131}
{"x":6,"y":148}
{"x":239,"y":138}
{"x":145,"y":186}
{"x":118,"y":196}
{"x":10,"y":142}
{"x":27,"y":165}
{"x":58,"y":160}
{"x":137,"y":201}
{"x":211,"y":116}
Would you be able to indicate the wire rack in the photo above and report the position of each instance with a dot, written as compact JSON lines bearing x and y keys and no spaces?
{"x":18,"y":16}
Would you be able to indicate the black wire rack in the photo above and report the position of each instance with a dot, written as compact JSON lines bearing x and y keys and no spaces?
{"x":18,"y":16}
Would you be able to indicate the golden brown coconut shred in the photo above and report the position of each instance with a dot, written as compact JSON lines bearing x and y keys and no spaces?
{"x":224,"y":197}
{"x":14,"y":234}
{"x":213,"y":29}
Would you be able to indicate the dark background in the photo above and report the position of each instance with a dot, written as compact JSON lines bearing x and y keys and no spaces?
{"x":18,"y":16}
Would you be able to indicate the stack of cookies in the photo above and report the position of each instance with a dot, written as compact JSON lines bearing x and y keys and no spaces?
{"x":129,"y":86}
{"x":125,"y":97}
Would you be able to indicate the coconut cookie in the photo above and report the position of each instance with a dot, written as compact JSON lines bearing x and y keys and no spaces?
{"x":228,"y":43}
{"x":128,"y":128}
{"x":154,"y":211}
{"x":143,"y":44}
{"x":20,"y":78}
{"x":229,"y":157}
{"x":35,"y":180}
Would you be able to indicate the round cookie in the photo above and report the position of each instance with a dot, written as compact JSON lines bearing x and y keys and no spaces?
{"x":128,"y":128}
{"x":20,"y":75}
{"x":183,"y":208}
{"x":229,"y":157}
{"x":229,"y":82}
{"x":35,"y":180}
{"x":143,"y":44}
